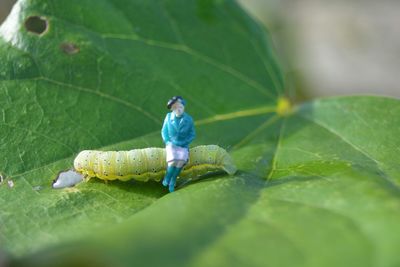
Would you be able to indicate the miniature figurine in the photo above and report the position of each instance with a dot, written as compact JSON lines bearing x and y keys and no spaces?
{"x":177,"y":133}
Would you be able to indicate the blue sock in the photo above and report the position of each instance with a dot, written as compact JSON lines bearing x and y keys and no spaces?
{"x":173,"y":179}
{"x":177,"y":171}
{"x":168,"y":175}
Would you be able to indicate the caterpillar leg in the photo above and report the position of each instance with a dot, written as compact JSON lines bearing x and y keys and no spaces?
{"x":86,"y":177}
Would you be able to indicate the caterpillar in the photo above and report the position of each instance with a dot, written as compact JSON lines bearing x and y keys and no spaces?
{"x":149,"y":163}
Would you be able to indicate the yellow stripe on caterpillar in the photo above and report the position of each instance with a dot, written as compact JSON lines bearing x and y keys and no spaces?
{"x":150,"y":163}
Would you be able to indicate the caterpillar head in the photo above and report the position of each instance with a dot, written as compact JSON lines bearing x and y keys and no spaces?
{"x":82,"y":161}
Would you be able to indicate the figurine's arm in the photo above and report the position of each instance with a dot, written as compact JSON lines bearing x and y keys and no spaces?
{"x":191,"y":135}
{"x":164,"y":131}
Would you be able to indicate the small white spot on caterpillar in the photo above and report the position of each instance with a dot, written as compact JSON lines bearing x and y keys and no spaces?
{"x":10,"y":183}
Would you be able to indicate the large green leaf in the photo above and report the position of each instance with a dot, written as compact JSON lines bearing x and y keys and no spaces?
{"x":318,"y":184}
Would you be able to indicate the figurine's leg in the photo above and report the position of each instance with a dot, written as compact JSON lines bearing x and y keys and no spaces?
{"x":178,"y":168}
{"x":168,"y":175}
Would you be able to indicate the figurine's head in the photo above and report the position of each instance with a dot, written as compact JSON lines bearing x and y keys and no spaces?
{"x":177,"y":105}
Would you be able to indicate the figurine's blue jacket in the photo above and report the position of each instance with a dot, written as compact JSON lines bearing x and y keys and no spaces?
{"x":180,"y":134}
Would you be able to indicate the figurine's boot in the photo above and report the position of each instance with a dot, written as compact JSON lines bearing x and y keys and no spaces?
{"x":173,"y":179}
{"x":168,"y":175}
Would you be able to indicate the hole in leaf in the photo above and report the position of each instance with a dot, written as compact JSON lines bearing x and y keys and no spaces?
{"x":10,"y":183}
{"x":36,"y":25}
{"x":69,"y":48}
{"x":67,"y":178}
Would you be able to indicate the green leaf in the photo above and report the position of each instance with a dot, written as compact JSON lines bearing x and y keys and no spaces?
{"x":318,"y":183}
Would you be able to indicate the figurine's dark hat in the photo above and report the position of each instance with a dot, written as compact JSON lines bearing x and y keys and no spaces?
{"x":174,"y":99}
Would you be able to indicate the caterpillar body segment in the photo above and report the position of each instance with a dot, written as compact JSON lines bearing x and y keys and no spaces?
{"x":150,"y":163}
{"x":208,"y":158}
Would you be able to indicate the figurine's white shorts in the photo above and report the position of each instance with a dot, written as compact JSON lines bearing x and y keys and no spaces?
{"x":176,"y":153}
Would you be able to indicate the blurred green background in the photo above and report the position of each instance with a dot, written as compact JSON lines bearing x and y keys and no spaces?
{"x":335,"y":47}
{"x":329,"y":47}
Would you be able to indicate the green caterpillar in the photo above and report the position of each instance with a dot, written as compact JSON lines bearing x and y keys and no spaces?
{"x":149,"y":163}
